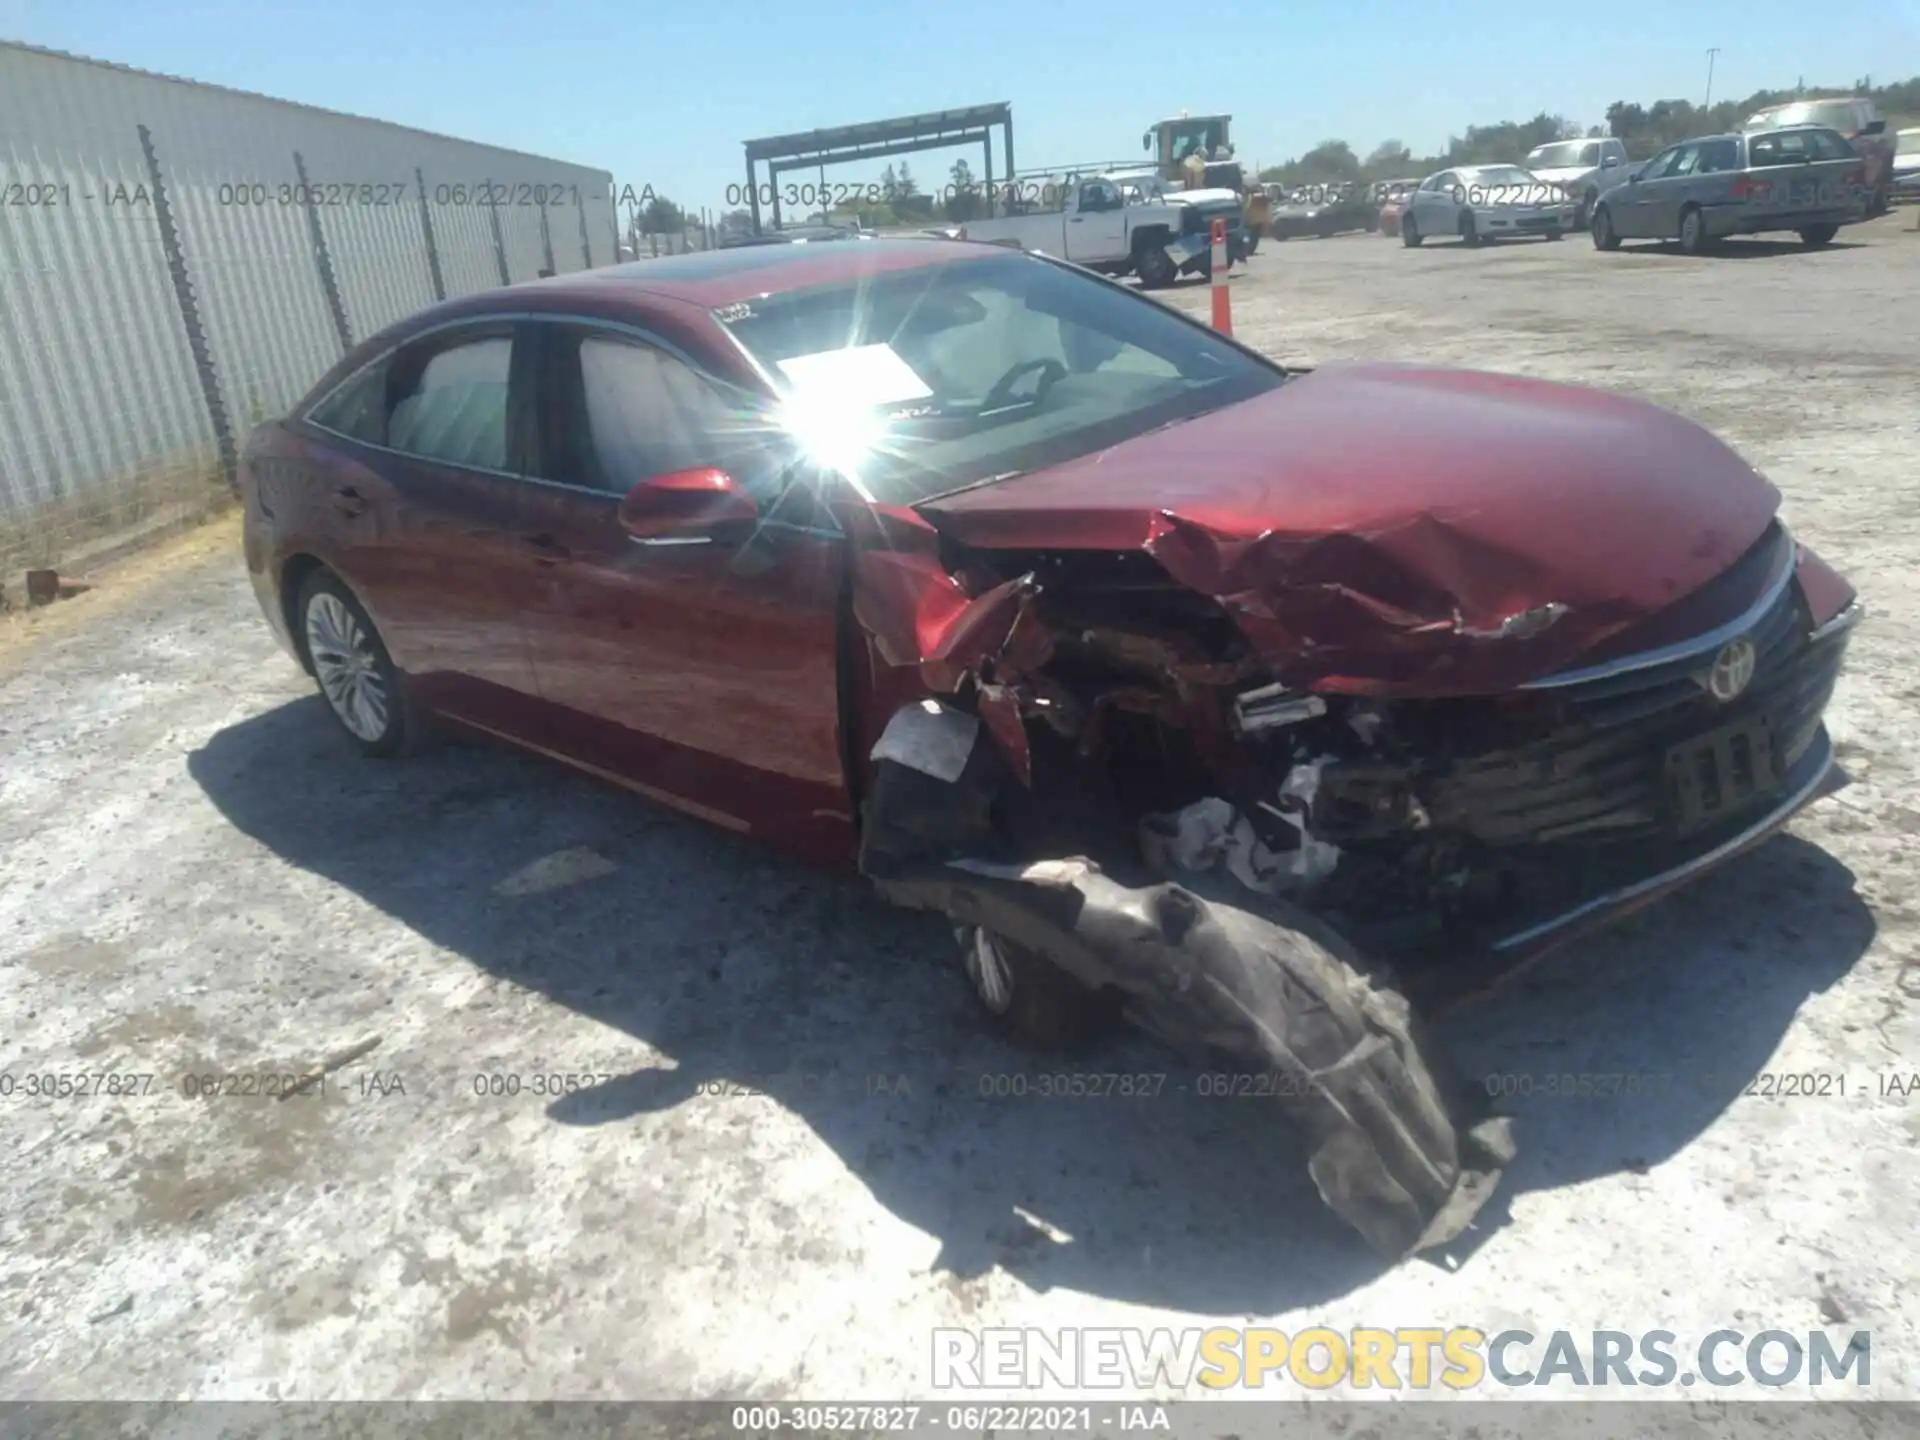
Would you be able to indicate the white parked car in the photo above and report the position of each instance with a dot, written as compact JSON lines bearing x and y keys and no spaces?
{"x":1585,"y":169}
{"x":1906,"y":166}
{"x":1482,"y":203}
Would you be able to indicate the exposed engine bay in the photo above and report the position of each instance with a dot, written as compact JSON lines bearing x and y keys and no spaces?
{"x":1374,"y":847}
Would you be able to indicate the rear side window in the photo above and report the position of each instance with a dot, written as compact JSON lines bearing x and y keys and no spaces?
{"x":357,"y":409}
{"x":454,"y":408}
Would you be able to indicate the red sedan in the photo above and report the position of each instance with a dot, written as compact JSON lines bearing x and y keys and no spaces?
{"x":1176,"y":678}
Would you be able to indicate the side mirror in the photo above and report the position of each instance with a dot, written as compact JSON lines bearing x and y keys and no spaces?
{"x":1609,"y":162}
{"x":1873,"y":127}
{"x":1146,"y":141}
{"x":688,"y":507}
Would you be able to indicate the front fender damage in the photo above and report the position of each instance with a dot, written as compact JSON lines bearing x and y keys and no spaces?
{"x":1269,"y":989}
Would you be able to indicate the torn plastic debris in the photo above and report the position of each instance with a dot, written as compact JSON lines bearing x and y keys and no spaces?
{"x":929,"y":737}
{"x":1405,"y":1162}
{"x":1210,"y":835}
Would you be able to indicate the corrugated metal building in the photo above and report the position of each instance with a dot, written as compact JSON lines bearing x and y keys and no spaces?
{"x":179,"y":261}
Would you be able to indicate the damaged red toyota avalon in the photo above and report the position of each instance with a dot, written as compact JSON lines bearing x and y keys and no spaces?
{"x":1178,"y":680}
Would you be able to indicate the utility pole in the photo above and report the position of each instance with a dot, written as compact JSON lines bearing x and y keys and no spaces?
{"x":1710,"y":54}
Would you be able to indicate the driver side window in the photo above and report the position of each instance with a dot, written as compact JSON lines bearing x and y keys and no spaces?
{"x":615,"y":410}
{"x":1657,"y":167}
{"x":1098,"y":195}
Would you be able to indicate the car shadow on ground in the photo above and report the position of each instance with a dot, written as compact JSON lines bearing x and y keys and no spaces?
{"x":743,"y":968}
{"x":1739,"y":248}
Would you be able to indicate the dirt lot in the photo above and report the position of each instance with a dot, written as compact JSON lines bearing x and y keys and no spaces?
{"x":197,"y":878}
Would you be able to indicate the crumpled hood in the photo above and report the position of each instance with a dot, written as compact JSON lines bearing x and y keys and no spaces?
{"x":1383,"y":529}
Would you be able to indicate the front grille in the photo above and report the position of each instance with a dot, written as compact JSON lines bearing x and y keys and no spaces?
{"x":1590,"y":781}
{"x":1621,"y":699}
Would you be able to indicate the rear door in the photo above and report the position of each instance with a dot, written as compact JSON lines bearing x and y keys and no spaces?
{"x":702,"y":672}
{"x":426,"y":518}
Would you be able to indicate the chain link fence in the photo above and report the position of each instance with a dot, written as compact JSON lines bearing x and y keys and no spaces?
{"x":179,"y":262}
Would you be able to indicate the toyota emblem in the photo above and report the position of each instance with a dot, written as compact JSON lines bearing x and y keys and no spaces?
{"x":1732,"y":670}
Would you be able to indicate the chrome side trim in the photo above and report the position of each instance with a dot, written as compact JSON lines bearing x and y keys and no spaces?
{"x":1845,"y":620}
{"x":1772,"y":820}
{"x":1683,"y":649}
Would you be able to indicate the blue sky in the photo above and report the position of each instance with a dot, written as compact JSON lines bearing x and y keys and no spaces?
{"x":663,"y":94}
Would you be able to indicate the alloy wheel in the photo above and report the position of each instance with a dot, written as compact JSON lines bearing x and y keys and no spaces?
{"x":346,"y":667}
{"x":987,"y":968}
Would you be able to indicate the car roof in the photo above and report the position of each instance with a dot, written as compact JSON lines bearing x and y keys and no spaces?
{"x":713,"y":278}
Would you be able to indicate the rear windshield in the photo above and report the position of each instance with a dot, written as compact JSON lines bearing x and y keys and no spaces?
{"x":918,"y":382}
{"x":1835,"y":113}
{"x":1796,"y":147}
{"x":1909,"y":143}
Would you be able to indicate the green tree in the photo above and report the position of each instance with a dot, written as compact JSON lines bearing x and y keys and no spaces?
{"x":963,"y":201}
{"x":662,"y":217}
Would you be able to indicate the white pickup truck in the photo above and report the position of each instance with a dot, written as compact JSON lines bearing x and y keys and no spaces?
{"x":1086,"y":220}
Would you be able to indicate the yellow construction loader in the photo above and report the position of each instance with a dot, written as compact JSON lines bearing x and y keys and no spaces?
{"x":1196,"y":151}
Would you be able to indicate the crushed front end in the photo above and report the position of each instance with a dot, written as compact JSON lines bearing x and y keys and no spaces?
{"x":1396,"y":842}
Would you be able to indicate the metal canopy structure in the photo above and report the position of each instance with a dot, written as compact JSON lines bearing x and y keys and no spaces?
{"x":876,"y":140}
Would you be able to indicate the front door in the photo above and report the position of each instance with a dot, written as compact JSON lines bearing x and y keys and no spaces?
{"x":700,"y":670}
{"x":1097,"y":230}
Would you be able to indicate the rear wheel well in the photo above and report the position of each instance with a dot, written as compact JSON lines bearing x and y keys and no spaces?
{"x":293,"y":575}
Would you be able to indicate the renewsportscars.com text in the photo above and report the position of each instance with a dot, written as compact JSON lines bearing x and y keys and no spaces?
{"x":1403,"y":1358}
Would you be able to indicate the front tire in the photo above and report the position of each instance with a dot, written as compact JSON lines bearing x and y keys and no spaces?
{"x":1029,"y":996}
{"x":1604,"y":236}
{"x":1154,"y":267}
{"x":1470,"y":231}
{"x":1814,"y":236}
{"x":1410,"y":235}
{"x":356,"y":675}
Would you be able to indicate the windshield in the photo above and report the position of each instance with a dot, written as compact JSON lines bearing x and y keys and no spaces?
{"x":1501,"y":175}
{"x":1565,"y":155}
{"x":1835,"y":113}
{"x":920,"y":382}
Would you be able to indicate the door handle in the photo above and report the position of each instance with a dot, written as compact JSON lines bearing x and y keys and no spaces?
{"x":349,"y":501}
{"x":547,"y":550}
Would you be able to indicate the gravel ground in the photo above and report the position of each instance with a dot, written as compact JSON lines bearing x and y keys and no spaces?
{"x":197,"y":878}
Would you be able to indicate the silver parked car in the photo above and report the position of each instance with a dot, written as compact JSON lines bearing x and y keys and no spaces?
{"x":1807,"y":179}
{"x":1582,"y":168}
{"x":1482,"y":203}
